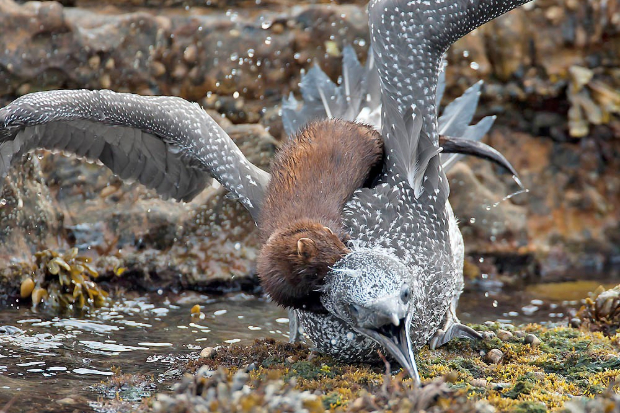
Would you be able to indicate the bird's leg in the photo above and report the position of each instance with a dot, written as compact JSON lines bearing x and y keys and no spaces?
{"x":452,"y":328}
{"x":293,"y":327}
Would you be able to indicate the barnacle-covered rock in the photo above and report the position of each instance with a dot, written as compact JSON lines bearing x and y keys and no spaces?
{"x":601,"y":311}
{"x":566,"y":370}
{"x":63,"y":281}
{"x":214,"y":391}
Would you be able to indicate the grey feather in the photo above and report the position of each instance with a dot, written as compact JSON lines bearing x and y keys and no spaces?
{"x":358,"y":93}
{"x":459,"y":113}
{"x":131,"y":134}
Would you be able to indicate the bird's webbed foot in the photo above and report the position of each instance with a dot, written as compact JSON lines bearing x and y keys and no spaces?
{"x":452,"y":329}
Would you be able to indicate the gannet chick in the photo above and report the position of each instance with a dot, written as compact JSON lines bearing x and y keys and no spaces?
{"x":312,"y":177}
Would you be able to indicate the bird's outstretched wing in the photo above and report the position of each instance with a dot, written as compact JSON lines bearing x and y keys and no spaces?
{"x":165,"y":143}
{"x":409,"y":38}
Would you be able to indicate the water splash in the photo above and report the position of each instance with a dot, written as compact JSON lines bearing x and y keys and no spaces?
{"x":523,"y":190}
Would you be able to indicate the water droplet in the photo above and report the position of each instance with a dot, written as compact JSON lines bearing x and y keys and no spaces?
{"x":472,"y":220}
{"x":2,"y":202}
{"x":495,"y":303}
{"x":265,"y":25}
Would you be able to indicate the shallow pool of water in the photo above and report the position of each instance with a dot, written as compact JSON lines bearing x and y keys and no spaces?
{"x":52,"y":357}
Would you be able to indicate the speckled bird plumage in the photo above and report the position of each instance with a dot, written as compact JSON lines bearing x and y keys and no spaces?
{"x":408,"y":213}
{"x":405,"y":236}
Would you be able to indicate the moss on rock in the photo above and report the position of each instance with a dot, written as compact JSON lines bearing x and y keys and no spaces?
{"x":567,"y":365}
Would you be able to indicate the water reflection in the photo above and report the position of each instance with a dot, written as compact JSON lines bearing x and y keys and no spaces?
{"x":146,"y":335}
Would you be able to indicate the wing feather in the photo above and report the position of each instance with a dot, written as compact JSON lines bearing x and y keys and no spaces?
{"x":166,"y":143}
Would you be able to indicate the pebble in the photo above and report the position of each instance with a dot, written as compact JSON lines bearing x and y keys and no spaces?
{"x":520,"y":333}
{"x":110,"y":64}
{"x":190,"y":54}
{"x":575,"y":322}
{"x":94,"y":62}
{"x":479,"y":383}
{"x":494,"y":356}
{"x":67,"y":401}
{"x":158,"y":68}
{"x":482,"y":406}
{"x":105,"y":81}
{"x":208,"y":353}
{"x":451,"y":377}
{"x":277,"y":28}
{"x":504,"y":335}
{"x":532,"y":340}
{"x":107,"y":191}
{"x":488,"y":335}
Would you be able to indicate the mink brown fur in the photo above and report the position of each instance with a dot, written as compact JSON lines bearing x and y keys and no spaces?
{"x":313,"y":175}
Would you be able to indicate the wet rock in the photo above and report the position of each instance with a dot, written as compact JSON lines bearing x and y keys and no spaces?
{"x":208,"y":352}
{"x":488,"y":335}
{"x":504,"y":335}
{"x":571,"y":207}
{"x":532,"y":340}
{"x":125,"y":226}
{"x":494,"y":356}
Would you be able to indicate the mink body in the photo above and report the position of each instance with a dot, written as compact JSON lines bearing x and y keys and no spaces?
{"x":313,"y":175}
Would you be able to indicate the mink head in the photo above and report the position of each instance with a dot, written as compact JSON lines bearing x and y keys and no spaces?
{"x":294,"y":261}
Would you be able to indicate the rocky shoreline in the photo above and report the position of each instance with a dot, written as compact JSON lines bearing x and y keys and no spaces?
{"x":525,"y":369}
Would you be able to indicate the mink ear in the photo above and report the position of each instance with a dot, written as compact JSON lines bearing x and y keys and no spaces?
{"x":328,"y":229}
{"x":306,"y":247}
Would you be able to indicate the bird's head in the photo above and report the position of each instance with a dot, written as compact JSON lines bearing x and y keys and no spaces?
{"x":373,"y":292}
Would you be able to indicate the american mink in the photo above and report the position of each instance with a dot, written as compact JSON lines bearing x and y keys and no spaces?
{"x":312,"y":177}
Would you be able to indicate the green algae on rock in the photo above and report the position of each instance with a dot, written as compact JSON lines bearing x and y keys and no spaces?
{"x":568,"y":365}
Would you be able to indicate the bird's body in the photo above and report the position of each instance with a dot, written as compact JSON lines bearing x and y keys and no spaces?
{"x":407,"y":216}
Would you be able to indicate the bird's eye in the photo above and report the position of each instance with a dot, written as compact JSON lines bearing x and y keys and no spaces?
{"x":405,"y":293}
{"x":354,"y":310}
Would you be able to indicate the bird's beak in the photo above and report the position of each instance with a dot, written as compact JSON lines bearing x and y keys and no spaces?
{"x":390,"y":327}
{"x":464,"y":146}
